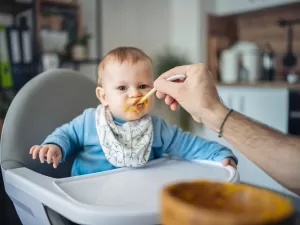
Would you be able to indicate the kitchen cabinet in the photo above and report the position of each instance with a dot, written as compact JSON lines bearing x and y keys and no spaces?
{"x":228,"y":7}
{"x":269,"y":106}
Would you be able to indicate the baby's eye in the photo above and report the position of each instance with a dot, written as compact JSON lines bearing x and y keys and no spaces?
{"x":144,"y":86}
{"x":122,"y":88}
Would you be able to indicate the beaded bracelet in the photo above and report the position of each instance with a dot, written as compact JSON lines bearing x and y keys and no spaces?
{"x":221,"y":127}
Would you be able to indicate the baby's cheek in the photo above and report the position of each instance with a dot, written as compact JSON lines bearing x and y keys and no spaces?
{"x":117,"y":102}
{"x":117,"y":107}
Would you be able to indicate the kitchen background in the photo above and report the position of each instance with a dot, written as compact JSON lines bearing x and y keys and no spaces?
{"x":252,"y":48}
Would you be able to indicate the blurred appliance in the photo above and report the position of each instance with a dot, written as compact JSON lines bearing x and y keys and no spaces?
{"x":216,"y":45}
{"x":289,"y":59}
{"x":229,"y":71}
{"x":269,"y":63}
{"x":241,"y":62}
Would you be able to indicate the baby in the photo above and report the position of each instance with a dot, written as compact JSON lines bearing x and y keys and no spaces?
{"x":118,"y":133}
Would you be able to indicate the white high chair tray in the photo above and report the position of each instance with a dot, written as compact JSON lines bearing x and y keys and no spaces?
{"x":123,"y":196}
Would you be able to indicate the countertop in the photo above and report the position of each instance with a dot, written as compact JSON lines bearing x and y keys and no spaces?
{"x":262,"y":84}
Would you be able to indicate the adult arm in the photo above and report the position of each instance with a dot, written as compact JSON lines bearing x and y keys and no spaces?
{"x":277,"y":154}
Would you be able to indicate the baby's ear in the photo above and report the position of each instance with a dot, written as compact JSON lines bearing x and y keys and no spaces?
{"x":101,"y":95}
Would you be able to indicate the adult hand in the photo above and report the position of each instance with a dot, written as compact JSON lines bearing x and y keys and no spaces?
{"x":197,"y":94}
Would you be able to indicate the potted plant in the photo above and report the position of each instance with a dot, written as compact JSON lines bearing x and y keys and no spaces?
{"x":80,"y":46}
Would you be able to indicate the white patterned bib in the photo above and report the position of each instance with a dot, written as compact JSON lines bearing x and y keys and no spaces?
{"x":127,"y":145}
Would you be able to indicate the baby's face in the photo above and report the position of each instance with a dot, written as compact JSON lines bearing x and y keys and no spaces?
{"x":123,"y":86}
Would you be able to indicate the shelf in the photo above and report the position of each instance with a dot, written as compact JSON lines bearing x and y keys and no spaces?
{"x":13,"y":8}
{"x":59,"y":3}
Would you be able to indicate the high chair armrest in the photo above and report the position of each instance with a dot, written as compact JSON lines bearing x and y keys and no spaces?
{"x":43,"y":189}
{"x":11,"y":164}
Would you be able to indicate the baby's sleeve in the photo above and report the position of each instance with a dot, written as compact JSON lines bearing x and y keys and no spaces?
{"x":187,"y":146}
{"x":69,"y":137}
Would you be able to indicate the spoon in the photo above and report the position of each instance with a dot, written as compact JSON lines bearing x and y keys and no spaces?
{"x":172,"y":78}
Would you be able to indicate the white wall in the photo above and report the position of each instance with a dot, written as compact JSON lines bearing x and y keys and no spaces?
{"x":187,"y":22}
{"x":140,"y":23}
{"x":153,"y":25}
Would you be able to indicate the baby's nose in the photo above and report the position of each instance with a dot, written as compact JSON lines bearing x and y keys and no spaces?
{"x":134,"y":93}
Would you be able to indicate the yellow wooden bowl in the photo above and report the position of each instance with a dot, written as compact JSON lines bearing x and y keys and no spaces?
{"x":211,"y":203}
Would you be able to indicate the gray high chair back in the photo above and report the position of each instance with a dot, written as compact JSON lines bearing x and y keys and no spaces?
{"x":49,"y":100}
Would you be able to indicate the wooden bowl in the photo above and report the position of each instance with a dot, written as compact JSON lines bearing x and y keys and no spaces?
{"x":212,"y":203}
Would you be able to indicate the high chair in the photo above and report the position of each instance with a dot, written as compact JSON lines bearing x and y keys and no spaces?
{"x":44,"y":195}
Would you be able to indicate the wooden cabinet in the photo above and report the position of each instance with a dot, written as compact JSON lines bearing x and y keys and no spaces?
{"x":239,"y":6}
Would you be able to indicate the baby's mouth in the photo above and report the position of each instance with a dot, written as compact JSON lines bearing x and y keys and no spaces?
{"x":134,"y":107}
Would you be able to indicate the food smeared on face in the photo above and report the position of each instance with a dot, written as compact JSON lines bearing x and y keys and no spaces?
{"x":136,"y":108}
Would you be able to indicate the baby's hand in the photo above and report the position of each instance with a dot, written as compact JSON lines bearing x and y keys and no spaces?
{"x":50,"y":151}
{"x":230,"y":162}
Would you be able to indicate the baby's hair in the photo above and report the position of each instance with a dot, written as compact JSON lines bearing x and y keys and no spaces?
{"x":121,"y":54}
